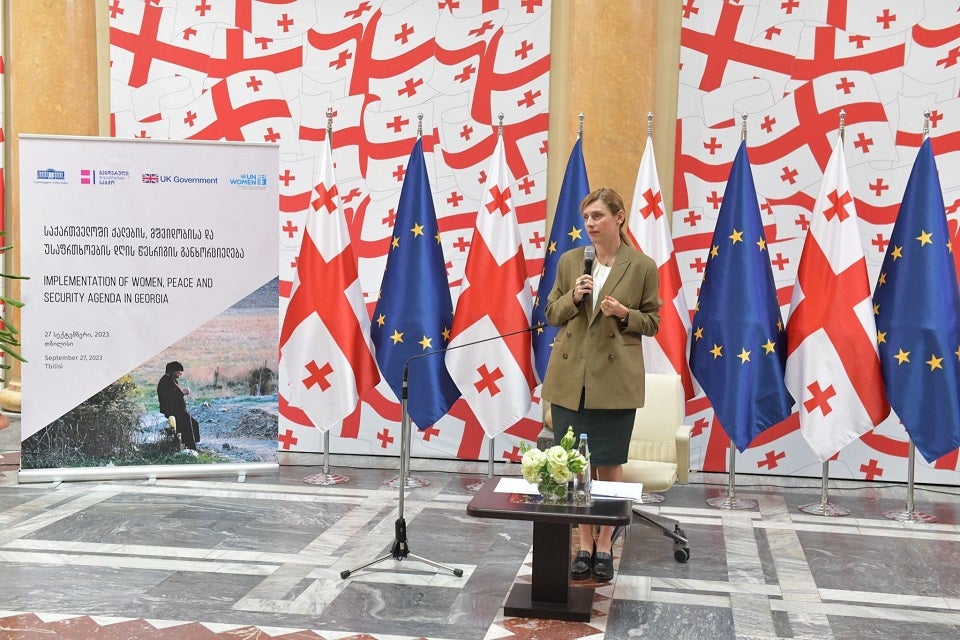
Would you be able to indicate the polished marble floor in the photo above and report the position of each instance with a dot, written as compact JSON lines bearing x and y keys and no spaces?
{"x":213,"y":558}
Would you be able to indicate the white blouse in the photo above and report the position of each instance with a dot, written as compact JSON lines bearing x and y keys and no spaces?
{"x":600,"y":273}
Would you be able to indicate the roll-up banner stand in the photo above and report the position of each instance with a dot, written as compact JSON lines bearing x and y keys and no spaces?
{"x":150,"y":264}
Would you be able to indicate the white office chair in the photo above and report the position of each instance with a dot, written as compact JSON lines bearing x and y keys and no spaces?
{"x":659,"y":453}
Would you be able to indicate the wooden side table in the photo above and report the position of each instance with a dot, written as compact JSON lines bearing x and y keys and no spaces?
{"x":549,"y":594}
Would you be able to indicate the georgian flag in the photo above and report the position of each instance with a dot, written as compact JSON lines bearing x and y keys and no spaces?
{"x":650,"y":231}
{"x":247,"y":106}
{"x":496,"y":378}
{"x":833,"y":366}
{"x":955,"y":244}
{"x":326,"y":356}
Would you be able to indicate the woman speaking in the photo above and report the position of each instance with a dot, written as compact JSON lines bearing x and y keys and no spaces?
{"x":595,"y":377}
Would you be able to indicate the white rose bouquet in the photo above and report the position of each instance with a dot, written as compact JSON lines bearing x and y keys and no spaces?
{"x":550,"y":470}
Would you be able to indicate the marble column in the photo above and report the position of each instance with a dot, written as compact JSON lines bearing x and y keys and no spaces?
{"x":51,"y":85}
{"x":614,"y":61}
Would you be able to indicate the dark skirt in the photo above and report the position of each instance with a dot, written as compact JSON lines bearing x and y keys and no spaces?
{"x":608,"y":431}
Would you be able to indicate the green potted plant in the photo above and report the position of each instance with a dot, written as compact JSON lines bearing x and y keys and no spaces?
{"x":9,"y":335}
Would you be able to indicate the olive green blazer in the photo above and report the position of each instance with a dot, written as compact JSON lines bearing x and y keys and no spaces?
{"x":593,"y":352}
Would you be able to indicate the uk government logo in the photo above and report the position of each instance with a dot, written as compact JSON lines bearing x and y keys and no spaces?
{"x":250,"y":180}
{"x":156,"y":178}
{"x":103,"y":177}
{"x":51,"y":176}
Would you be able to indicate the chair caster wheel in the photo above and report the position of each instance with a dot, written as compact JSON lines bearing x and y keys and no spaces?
{"x":458,"y":572}
{"x":681,"y":554}
{"x":345,"y":574}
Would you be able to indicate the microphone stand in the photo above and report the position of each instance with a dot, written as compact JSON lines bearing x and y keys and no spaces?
{"x":400,"y":550}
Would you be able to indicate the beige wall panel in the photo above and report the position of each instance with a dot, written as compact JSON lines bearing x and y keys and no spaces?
{"x":614,"y":61}
{"x":51,"y":88}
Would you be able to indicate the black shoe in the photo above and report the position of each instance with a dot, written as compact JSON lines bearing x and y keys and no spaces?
{"x":581,"y":567}
{"x":602,"y":566}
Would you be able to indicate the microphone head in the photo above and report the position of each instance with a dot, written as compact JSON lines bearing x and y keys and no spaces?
{"x":589,"y":254}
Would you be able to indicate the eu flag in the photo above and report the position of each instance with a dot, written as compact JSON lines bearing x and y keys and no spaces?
{"x":917,"y":306}
{"x":414,"y":313}
{"x":566,"y":233}
{"x":739,"y":348}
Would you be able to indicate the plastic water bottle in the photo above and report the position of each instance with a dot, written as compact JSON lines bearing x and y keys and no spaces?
{"x":582,"y":481}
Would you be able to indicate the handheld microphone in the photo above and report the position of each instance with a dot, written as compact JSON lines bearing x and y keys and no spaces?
{"x":589,"y":255}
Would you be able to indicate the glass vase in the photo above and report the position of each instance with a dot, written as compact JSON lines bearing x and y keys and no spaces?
{"x":553,"y":492}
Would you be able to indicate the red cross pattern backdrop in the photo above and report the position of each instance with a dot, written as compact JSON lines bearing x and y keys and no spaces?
{"x":269,"y":70}
{"x":792,"y":66}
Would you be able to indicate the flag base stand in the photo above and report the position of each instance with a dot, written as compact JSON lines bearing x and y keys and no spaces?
{"x":404,"y":479}
{"x":400,"y":550}
{"x":406,"y":482}
{"x":825,"y":507}
{"x":326,"y":478}
{"x":731,"y":501}
{"x":909,"y":514}
{"x":475,"y":486}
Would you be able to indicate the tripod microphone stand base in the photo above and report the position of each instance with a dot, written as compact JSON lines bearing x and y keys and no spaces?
{"x":400,"y":551}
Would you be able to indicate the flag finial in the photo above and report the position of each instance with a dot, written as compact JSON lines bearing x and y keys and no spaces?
{"x":330,"y":124}
{"x":743,"y":127}
{"x":649,"y":123}
{"x":926,"y":124}
{"x":580,"y":126}
{"x":843,"y":119}
{"x":420,"y":124}
{"x":500,"y":124}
